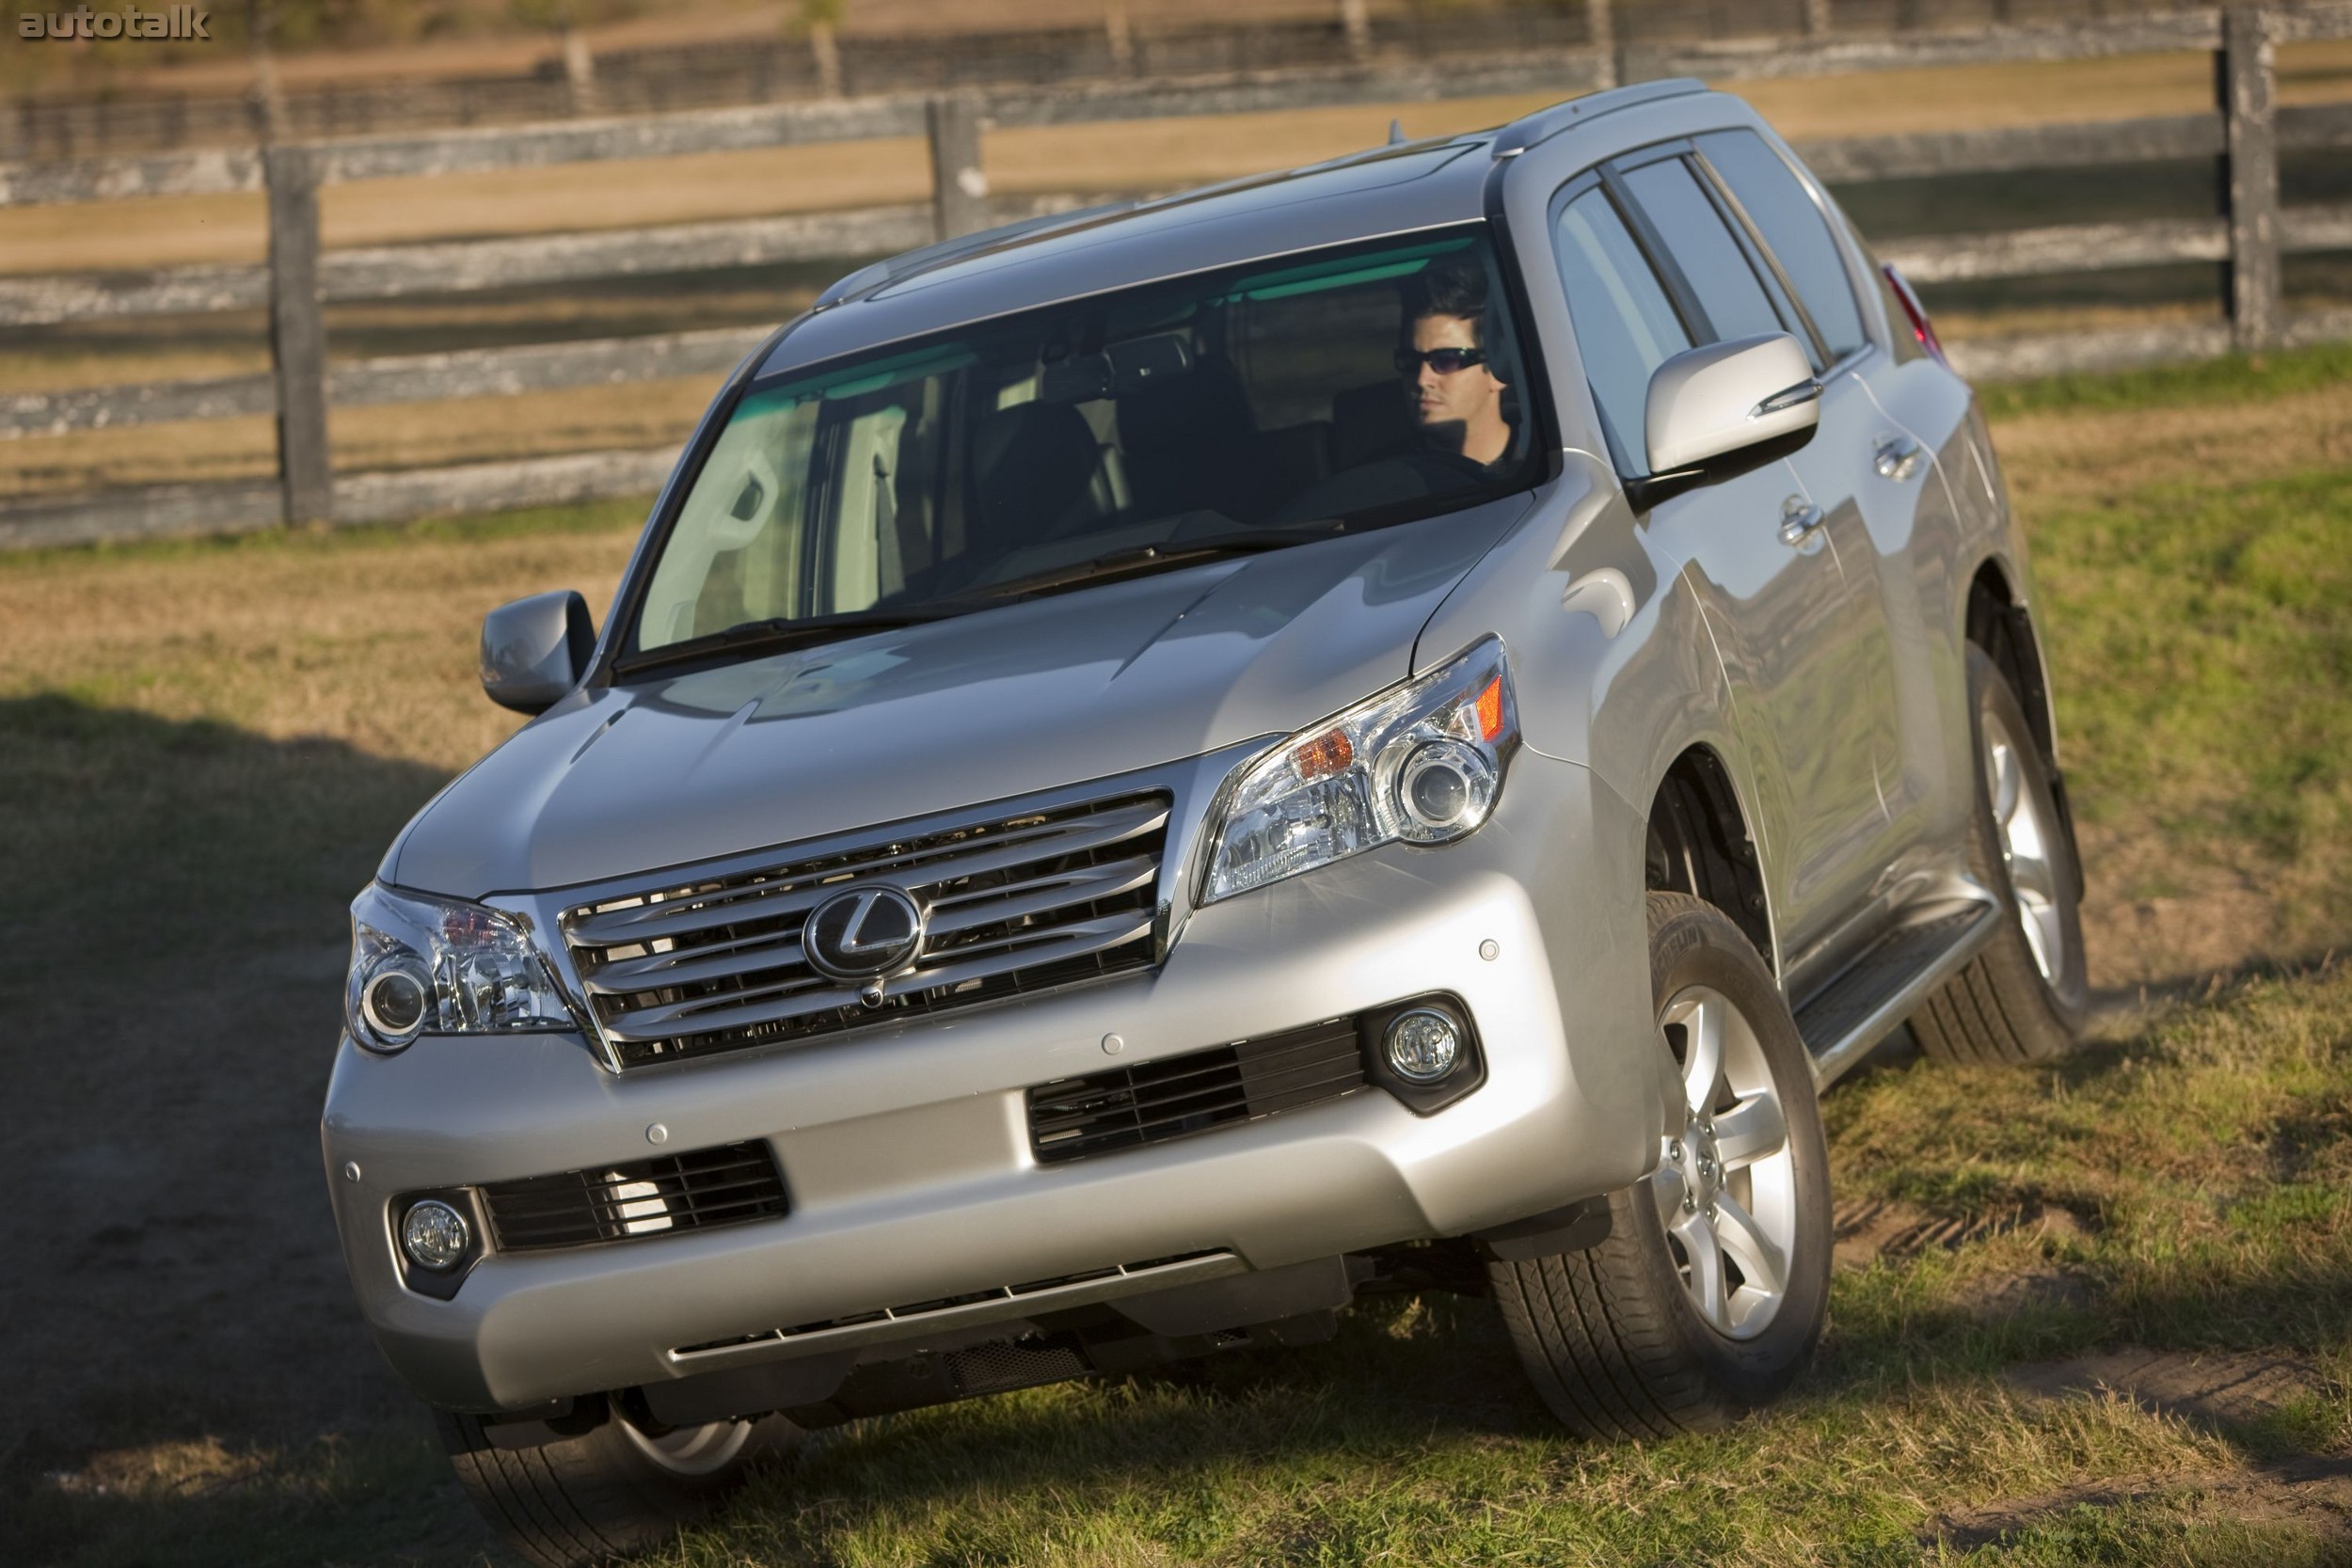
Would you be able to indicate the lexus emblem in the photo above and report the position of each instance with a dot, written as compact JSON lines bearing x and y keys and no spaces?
{"x":862,"y":934}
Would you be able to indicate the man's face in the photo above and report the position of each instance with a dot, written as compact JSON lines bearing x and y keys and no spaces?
{"x":1469,"y":397}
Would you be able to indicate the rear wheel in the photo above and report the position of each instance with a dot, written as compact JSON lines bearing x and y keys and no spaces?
{"x":2023,"y":998}
{"x":613,"y":1489}
{"x":1709,"y":1294}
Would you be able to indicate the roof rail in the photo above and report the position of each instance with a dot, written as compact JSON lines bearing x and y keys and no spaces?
{"x":1527,"y":130}
{"x":907,"y":262}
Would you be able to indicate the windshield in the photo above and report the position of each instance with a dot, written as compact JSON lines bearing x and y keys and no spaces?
{"x":1240,"y":410}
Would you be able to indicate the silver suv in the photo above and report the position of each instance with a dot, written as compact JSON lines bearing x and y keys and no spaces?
{"x":1385,"y":726}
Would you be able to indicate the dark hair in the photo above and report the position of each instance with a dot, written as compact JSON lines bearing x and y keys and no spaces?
{"x":1454,"y":287}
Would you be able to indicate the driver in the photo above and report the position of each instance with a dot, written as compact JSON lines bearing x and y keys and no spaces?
{"x":1457,"y":399}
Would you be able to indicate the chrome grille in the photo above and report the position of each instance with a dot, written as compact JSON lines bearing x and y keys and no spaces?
{"x":1012,"y":906}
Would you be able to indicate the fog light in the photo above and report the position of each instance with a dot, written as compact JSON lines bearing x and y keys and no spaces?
{"x":1423,"y":1045}
{"x":434,"y":1235}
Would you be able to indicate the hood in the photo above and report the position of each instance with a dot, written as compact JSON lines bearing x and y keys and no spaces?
{"x":931,"y":718}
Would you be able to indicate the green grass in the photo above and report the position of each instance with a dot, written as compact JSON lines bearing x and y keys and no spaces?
{"x":2201,"y":644}
{"x":2201,"y":1173}
{"x":1409,"y":1438}
{"x":2233,"y":379}
{"x":226,"y":766}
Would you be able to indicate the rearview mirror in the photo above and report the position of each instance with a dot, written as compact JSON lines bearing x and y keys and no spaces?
{"x":534,"y":650}
{"x":1725,"y":406}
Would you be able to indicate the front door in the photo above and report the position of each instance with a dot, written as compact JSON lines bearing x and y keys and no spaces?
{"x":1806,"y":674}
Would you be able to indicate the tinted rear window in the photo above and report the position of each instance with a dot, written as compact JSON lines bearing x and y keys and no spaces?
{"x":1783,"y":210}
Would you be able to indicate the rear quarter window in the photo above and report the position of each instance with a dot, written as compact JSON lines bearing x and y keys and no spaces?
{"x":1783,"y":211}
{"x":1702,"y":245}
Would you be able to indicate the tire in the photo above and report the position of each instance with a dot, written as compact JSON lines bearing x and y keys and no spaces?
{"x":2023,"y":998}
{"x":1614,"y":1337}
{"x":607,"y":1493}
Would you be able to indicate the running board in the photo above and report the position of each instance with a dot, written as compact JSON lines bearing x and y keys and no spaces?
{"x":1873,"y":995}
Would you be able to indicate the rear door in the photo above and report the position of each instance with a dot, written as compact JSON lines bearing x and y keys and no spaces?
{"x":1645,"y":277}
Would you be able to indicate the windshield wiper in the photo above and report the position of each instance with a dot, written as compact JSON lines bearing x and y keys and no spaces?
{"x":781,"y":632}
{"x":1140,"y":559}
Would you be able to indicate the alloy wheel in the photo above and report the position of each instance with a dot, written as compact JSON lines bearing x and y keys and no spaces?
{"x":2021,"y":819}
{"x":698,"y":1450}
{"x":1727,"y":1183}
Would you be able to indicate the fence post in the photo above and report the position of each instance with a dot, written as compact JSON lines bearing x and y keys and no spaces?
{"x":959,"y":186}
{"x":1121,"y":36}
{"x":1356,"y":27}
{"x":1600,"y":33}
{"x":298,"y":335}
{"x":1817,"y":18}
{"x":2247,"y":72}
{"x":266,"y":103}
{"x":825,"y":50}
{"x":580,"y":71}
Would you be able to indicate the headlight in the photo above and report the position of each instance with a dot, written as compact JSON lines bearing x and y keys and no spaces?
{"x":438,"y":966}
{"x":1420,"y":762}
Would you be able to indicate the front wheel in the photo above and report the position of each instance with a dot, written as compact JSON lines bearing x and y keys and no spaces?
{"x":1709,"y":1294}
{"x":613,"y":1489}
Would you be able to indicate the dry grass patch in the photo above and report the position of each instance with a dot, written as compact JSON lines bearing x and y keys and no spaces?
{"x":1137,"y":155}
{"x":2054,"y":321}
{"x":366,"y":639}
{"x":237,"y":342}
{"x":1140,"y":155}
{"x":364,"y":441}
{"x":2103,"y":456}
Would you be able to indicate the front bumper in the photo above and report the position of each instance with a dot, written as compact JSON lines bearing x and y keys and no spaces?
{"x":906,"y":1152}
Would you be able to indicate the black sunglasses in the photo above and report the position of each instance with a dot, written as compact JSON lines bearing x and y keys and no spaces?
{"x":1445,"y":362}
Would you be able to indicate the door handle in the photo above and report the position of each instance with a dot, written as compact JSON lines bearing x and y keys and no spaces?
{"x":1798,"y":518}
{"x":1897,"y":457}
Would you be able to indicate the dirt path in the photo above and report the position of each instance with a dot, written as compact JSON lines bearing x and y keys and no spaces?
{"x":2221,"y":1394}
{"x":2224,"y":1395}
{"x":2313,"y":1494}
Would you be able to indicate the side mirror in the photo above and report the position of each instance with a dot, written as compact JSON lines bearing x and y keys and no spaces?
{"x":534,"y":650}
{"x":1724,"y":407}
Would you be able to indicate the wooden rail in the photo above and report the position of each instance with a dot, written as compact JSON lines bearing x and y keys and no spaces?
{"x":2247,"y":132}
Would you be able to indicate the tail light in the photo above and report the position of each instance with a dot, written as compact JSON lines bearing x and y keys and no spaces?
{"x":1920,"y":327}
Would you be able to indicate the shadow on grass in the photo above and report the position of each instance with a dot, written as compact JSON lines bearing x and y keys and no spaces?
{"x":2204,"y":985}
{"x":193,"y":1383}
{"x":134,"y":838}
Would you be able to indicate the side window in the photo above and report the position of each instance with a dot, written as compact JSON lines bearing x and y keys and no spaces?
{"x":1703,"y":247}
{"x":1626,"y":326}
{"x":1782,"y":212}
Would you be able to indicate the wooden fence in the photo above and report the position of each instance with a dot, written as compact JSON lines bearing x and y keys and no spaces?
{"x":2247,"y":132}
{"x":570,"y":79}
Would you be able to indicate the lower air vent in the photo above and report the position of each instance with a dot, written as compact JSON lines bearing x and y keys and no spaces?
{"x":1072,"y":1118}
{"x":645,"y":1198}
